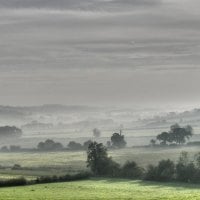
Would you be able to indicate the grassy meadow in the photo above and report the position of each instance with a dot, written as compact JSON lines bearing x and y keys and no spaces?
{"x":50,"y":163}
{"x":103,"y":189}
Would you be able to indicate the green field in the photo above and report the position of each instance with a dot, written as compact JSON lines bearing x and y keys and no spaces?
{"x":103,"y":189}
{"x":59,"y":163}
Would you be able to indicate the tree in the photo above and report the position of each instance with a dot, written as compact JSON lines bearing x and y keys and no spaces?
{"x":99,"y":162}
{"x":177,"y":134}
{"x":153,"y":142}
{"x":180,"y":134}
{"x":74,"y":145}
{"x":131,"y":170}
{"x":96,"y":133}
{"x":49,"y":145}
{"x":117,"y":140}
{"x":164,"y":171}
{"x":10,"y":131}
{"x":163,"y":137}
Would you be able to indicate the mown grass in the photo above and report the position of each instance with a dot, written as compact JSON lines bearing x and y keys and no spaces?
{"x":103,"y":189}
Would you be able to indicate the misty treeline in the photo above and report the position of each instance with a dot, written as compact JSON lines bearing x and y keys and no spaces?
{"x":186,"y":169}
{"x":116,"y":141}
{"x":177,"y":135}
{"x":10,"y":131}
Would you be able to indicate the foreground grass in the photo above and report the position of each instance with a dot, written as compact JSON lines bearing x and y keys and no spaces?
{"x":103,"y":189}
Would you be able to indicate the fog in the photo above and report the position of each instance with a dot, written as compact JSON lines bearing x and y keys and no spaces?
{"x":98,"y":52}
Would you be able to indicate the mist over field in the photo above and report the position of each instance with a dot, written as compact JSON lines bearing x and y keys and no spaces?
{"x":100,"y":97}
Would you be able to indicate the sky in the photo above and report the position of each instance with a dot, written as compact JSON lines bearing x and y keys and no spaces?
{"x":100,"y":52}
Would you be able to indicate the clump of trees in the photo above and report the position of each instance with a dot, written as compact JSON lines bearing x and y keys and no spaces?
{"x":10,"y":131}
{"x":164,"y":171}
{"x":184,"y":170}
{"x":49,"y":145}
{"x":102,"y":165}
{"x":99,"y":162}
{"x":74,"y":145}
{"x":176,"y":135}
{"x":117,"y":140}
{"x":78,"y":146}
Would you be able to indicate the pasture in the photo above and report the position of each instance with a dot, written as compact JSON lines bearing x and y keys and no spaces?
{"x":103,"y":189}
{"x":68,"y":162}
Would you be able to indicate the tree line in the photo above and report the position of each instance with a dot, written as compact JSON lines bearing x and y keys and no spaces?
{"x":185,"y":169}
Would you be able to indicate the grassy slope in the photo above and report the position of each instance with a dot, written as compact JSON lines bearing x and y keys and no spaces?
{"x":103,"y":189}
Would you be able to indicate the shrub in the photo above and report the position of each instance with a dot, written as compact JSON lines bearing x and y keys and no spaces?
{"x":151,"y":173}
{"x":131,"y":170}
{"x":74,"y":146}
{"x":51,"y":179}
{"x":164,"y":171}
{"x":13,"y":182}
{"x":49,"y":145}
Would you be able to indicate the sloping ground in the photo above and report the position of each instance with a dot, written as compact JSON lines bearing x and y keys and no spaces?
{"x":103,"y":189}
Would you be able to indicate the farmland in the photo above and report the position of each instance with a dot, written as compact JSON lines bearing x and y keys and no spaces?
{"x":49,"y":163}
{"x":103,"y":189}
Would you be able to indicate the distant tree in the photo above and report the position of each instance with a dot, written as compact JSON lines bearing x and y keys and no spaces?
{"x":15,"y":148}
{"x":10,"y":131}
{"x":117,"y":140}
{"x":96,"y":133}
{"x":4,"y":149}
{"x":177,"y":134}
{"x":74,"y":145}
{"x":163,"y":137}
{"x":49,"y":145}
{"x":152,"y":142}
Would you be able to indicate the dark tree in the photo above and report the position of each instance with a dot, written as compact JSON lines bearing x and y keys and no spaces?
{"x":49,"y":145}
{"x":96,"y":157}
{"x":10,"y":131}
{"x":131,"y":170}
{"x":177,"y":134}
{"x":163,"y":138}
{"x":152,"y":142}
{"x":74,"y":146}
{"x":99,"y":162}
{"x":117,"y":140}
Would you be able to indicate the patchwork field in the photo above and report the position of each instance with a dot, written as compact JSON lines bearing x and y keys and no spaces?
{"x":103,"y":189}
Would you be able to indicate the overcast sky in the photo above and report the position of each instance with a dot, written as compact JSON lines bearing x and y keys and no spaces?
{"x":100,"y":52}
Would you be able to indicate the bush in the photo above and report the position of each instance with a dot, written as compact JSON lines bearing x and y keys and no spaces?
{"x":13,"y":182}
{"x":151,"y":173}
{"x":131,"y":170}
{"x":52,"y":179}
{"x":186,"y":173}
{"x":165,"y":171}
{"x":74,"y":146}
{"x":49,"y":145}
